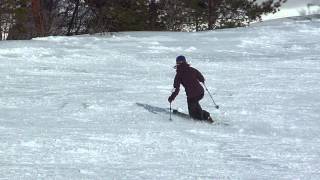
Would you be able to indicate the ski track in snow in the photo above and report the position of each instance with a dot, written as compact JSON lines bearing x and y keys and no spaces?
{"x":68,"y":105}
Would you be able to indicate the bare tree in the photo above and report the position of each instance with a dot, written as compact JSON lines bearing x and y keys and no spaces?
{"x":6,"y":17}
{"x":71,"y":23}
{"x":213,"y":6}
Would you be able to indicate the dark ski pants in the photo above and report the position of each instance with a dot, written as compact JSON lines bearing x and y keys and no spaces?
{"x":195,"y":110}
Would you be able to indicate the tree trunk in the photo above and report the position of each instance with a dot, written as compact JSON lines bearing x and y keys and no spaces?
{"x":213,"y":7}
{"x":210,"y":9}
{"x":38,"y":17}
{"x":152,"y":15}
{"x":72,"y":21}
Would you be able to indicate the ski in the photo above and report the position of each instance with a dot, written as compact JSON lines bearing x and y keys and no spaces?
{"x":177,"y":113}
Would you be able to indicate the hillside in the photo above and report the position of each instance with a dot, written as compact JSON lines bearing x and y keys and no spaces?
{"x":68,"y":105}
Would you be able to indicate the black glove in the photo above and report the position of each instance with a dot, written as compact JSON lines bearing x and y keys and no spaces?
{"x":170,"y":99}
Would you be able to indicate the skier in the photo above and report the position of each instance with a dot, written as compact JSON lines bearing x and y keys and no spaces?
{"x":190,"y":78}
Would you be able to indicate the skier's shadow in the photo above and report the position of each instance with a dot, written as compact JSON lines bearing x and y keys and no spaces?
{"x":153,"y":109}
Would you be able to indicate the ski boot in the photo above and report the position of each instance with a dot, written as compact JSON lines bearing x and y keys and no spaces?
{"x":210,"y":120}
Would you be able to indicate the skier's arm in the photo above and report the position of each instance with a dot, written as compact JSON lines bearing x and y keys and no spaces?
{"x":176,"y":86}
{"x":200,"y":76}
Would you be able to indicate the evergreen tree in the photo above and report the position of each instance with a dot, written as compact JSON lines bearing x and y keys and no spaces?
{"x":235,"y":13}
{"x":196,"y":13}
{"x":154,"y":13}
{"x":24,"y":19}
{"x":22,"y":26}
{"x":172,"y":14}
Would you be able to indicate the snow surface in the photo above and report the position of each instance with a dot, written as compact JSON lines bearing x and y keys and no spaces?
{"x":68,"y":105}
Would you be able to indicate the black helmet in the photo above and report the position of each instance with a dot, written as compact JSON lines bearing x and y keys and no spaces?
{"x":180,"y":60}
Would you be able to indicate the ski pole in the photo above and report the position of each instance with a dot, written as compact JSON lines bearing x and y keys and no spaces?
{"x":217,"y":107}
{"x":170,"y":113}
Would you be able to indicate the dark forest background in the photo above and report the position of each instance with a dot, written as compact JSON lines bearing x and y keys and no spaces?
{"x":25,"y":19}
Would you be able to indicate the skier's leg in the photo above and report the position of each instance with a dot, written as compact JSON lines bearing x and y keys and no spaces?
{"x":195,"y":110}
{"x":192,"y":109}
{"x":205,"y":115}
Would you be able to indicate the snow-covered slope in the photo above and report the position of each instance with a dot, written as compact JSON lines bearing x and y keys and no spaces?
{"x":68,"y":105}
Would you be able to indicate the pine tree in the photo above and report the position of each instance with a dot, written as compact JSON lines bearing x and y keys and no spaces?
{"x":24,"y":19}
{"x":22,"y":26}
{"x":235,"y":13}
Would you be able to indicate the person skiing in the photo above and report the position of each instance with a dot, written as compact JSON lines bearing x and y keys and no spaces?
{"x":190,"y":78}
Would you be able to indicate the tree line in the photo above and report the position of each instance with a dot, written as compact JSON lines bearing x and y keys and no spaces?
{"x":25,"y":19}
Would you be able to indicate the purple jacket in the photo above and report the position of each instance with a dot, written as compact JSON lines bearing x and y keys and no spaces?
{"x":190,"y":78}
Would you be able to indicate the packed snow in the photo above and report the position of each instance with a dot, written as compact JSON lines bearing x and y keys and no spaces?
{"x":68,"y":105}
